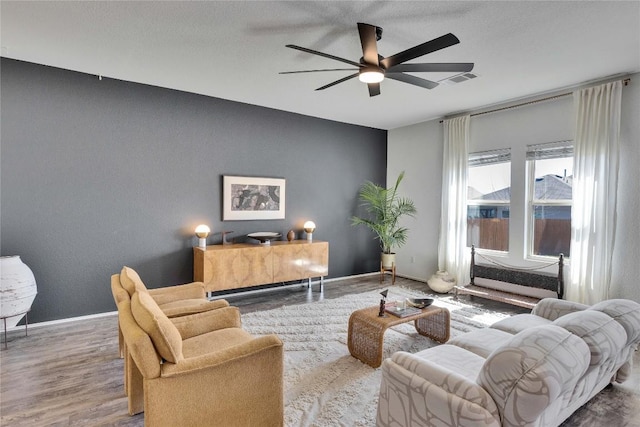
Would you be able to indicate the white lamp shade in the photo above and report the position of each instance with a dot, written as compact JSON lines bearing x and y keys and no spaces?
{"x":309,"y":226}
{"x":202,"y":230}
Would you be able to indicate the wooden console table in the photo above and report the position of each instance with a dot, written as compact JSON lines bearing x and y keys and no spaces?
{"x":242,"y":265}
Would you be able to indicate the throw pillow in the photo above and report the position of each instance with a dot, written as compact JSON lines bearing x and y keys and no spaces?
{"x":131,"y":281}
{"x":156,"y":324}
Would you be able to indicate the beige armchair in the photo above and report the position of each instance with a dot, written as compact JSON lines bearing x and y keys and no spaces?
{"x":202,"y":369}
{"x":174,"y":301}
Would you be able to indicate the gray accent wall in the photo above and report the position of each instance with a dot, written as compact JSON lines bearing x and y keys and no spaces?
{"x":97,"y":174}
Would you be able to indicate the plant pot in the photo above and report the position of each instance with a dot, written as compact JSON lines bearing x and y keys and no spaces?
{"x":388,"y":260}
{"x":441,"y":282}
{"x":17,"y":289}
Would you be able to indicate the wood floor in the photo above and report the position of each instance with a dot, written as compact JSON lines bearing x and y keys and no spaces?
{"x":70,"y":374}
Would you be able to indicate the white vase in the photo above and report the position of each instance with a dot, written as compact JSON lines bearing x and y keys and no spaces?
{"x":441,"y":282}
{"x":17,"y":289}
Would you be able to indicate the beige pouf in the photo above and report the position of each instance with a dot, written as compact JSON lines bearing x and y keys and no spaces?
{"x":441,"y":282}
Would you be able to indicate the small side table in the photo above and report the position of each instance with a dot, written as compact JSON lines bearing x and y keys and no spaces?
{"x":366,"y":330}
{"x":391,"y":269}
{"x":26,"y":326}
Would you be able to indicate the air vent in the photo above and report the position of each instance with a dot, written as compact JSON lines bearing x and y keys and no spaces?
{"x":458,"y":78}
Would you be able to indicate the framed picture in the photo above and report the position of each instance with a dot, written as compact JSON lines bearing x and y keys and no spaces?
{"x":251,"y":198}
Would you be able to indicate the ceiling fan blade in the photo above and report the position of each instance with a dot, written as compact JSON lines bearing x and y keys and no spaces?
{"x":314,"y":71}
{"x":419,"y":50}
{"x":412,"y":80}
{"x":458,"y":67}
{"x":368,"y":41}
{"x":344,"y":79}
{"x":326,"y":55}
{"x":374,"y":89}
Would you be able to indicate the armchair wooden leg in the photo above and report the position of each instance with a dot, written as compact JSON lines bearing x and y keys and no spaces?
{"x":120,"y":342}
{"x":135,"y":387}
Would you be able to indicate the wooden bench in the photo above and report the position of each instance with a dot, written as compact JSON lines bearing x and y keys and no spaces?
{"x":523,"y":288}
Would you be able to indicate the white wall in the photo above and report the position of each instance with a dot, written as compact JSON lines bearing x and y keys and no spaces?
{"x":417,"y":149}
{"x":516,"y":128}
{"x":625,"y":279}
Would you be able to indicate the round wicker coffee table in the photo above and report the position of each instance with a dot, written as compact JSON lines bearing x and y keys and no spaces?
{"x":366,"y":330}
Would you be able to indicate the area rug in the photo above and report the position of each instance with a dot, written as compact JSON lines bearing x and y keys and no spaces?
{"x":324,"y":384}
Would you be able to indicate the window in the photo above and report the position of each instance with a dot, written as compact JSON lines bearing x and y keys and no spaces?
{"x":550,"y":178}
{"x":488,"y":199}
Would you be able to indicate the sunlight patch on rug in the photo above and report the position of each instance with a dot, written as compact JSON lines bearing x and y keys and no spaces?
{"x":324,"y":384}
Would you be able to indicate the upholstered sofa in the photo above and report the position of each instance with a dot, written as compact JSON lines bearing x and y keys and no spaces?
{"x":527,"y":370}
{"x":199,"y":369}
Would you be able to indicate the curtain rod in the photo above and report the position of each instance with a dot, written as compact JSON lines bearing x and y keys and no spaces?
{"x":625,"y":82}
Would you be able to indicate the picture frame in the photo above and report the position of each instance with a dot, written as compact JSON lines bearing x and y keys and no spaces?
{"x":252,"y":198}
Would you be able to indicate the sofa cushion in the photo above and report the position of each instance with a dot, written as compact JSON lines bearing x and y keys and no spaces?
{"x":131,"y":281}
{"x":189,"y":306}
{"x":482,"y":341}
{"x":625,"y":312}
{"x":604,"y":336}
{"x":214,"y":341}
{"x":449,"y":357}
{"x":552,"y":308}
{"x":436,"y":386}
{"x":538,"y":366}
{"x":519,"y":323}
{"x":164,"y":335}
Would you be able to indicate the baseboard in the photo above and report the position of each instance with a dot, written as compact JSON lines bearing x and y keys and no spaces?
{"x":115,"y":313}
{"x":262,"y":289}
{"x":355,"y":276}
{"x":417,"y":279}
{"x":66,"y":320}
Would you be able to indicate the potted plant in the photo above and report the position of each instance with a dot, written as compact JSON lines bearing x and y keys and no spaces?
{"x":385,"y":208}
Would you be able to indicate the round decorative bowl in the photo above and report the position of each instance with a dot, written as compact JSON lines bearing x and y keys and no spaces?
{"x":419,"y":302}
{"x":265,"y":237}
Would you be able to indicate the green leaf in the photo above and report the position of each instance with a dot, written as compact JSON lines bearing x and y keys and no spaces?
{"x":385,"y":208}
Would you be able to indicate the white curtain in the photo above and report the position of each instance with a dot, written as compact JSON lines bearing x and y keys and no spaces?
{"x":595,"y":182}
{"x":453,"y":255}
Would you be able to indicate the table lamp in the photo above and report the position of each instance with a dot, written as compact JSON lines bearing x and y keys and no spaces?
{"x":202,"y":231}
{"x":309,"y":226}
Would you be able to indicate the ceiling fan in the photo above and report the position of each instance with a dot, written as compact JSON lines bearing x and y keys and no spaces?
{"x":373,"y":67}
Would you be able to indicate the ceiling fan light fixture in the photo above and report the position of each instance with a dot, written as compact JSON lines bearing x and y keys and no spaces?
{"x":373,"y":67}
{"x":371,"y":75}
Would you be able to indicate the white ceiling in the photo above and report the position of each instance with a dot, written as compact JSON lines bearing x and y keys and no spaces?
{"x":235,"y":49}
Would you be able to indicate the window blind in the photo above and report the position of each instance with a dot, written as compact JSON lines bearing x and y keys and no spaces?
{"x":482,"y":158}
{"x":550,"y":150}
